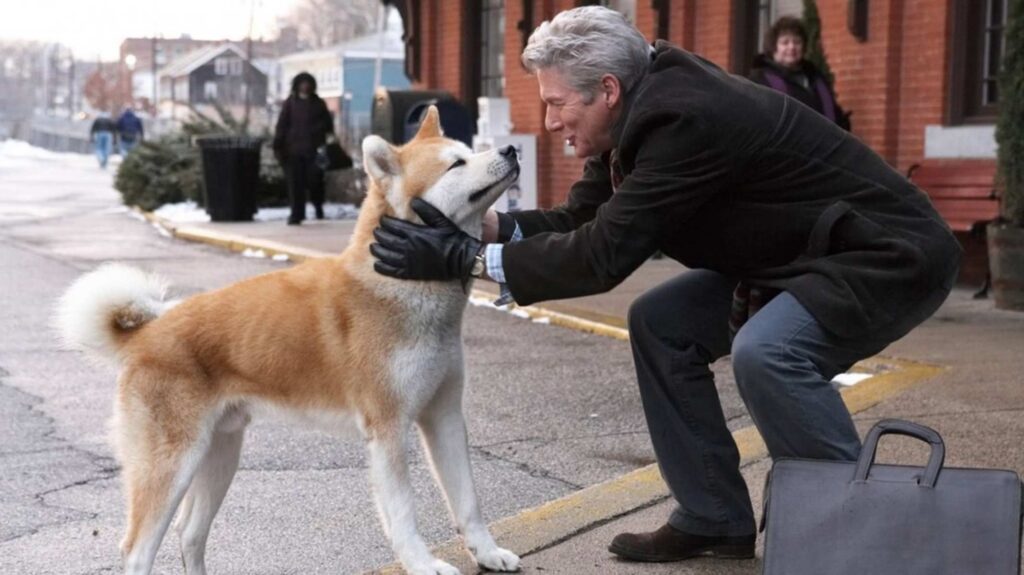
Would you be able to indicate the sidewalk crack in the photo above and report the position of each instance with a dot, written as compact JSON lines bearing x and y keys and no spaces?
{"x":532,"y":471}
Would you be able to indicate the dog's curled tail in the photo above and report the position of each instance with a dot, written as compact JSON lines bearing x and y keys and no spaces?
{"x":104,"y":307}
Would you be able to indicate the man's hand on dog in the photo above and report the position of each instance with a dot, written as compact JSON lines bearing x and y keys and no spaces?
{"x":438,"y":250}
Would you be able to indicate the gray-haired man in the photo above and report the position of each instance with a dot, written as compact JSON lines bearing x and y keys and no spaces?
{"x":756,"y":194}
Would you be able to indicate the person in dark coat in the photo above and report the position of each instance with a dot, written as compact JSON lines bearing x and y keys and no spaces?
{"x":129,"y":131}
{"x":783,"y":67}
{"x":304,"y":125}
{"x":102,"y":135}
{"x":806,"y":252}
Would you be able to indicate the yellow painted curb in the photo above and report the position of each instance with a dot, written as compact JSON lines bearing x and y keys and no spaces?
{"x":232,"y":242}
{"x":241,"y":243}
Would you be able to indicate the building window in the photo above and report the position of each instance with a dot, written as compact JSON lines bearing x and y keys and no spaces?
{"x":748,"y":25}
{"x":978,"y":46}
{"x":227,"y":66}
{"x":210,"y":91}
{"x":492,"y":48}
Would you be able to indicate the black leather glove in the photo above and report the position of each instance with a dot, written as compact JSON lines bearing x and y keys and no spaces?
{"x":438,"y":250}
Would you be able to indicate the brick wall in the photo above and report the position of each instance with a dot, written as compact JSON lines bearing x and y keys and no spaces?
{"x":895,"y":82}
{"x":924,"y":75}
{"x":440,"y":30}
{"x":713,"y":30}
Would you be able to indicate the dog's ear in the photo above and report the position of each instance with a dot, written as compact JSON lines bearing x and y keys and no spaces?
{"x":380,"y":158}
{"x":430,"y":127}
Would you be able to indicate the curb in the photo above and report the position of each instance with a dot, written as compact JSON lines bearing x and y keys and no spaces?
{"x":533,"y":530}
{"x":230,"y":241}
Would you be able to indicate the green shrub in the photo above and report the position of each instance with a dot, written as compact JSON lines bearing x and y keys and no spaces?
{"x":169,"y":170}
{"x":161,"y":171}
{"x":1010,"y":126}
{"x":815,"y":50}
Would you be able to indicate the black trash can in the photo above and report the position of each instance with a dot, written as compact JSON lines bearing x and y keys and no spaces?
{"x":231,"y":172}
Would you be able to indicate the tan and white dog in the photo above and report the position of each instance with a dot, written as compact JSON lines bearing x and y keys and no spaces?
{"x":330,"y":342}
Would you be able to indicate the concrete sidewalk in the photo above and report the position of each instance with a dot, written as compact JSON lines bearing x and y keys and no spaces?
{"x":959,"y":373}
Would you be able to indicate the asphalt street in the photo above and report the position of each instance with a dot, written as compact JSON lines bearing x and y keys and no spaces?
{"x":549,"y":410}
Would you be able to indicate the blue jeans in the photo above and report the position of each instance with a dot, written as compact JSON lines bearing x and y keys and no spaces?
{"x":783,"y":361}
{"x":103,"y":142}
{"x":126,"y":145}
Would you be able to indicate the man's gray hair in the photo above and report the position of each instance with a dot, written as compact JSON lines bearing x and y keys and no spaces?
{"x":586,"y":43}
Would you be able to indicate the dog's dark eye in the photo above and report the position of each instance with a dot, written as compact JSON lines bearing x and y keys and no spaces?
{"x":458,"y":164}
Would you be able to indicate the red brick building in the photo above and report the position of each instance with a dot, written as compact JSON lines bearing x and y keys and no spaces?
{"x":917,"y":74}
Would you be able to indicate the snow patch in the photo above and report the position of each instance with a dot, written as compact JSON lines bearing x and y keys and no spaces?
{"x":189,"y":212}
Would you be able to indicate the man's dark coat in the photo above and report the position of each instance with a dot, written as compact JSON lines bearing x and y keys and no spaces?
{"x":723,"y":174}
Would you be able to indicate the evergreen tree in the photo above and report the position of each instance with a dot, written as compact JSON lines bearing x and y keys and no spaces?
{"x":1010,"y":126}
{"x":815,"y":52}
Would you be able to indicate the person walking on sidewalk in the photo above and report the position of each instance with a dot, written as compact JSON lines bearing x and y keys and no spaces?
{"x":102,"y":135}
{"x":303,"y":126}
{"x":783,"y":67}
{"x":129,"y":131}
{"x":806,"y":253}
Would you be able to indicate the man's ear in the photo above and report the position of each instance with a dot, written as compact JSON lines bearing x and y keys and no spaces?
{"x":611,"y":90}
{"x":380,"y":159}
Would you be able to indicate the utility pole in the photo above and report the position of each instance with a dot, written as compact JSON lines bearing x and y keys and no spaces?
{"x":156,"y":81}
{"x":246,"y":80}
{"x":46,"y":77}
{"x":382,"y":27}
{"x":71,"y":84}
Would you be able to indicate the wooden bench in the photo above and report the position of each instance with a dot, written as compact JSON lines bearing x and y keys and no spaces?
{"x":965,"y":194}
{"x":963,"y":191}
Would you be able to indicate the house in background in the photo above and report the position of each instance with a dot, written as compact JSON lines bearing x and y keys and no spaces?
{"x":345,"y":74}
{"x":918,"y":76}
{"x":145,"y":57}
{"x":212,"y":74}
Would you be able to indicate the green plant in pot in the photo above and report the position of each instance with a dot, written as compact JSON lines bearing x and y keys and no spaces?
{"x":1006,"y":236}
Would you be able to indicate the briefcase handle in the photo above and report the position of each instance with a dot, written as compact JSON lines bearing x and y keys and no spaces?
{"x":901,"y":427}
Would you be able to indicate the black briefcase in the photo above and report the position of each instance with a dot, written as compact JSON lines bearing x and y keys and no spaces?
{"x":838,"y":518}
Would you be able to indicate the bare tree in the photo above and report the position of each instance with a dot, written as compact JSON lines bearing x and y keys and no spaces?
{"x":21,"y":74}
{"x":323,"y":23}
{"x":21,"y":79}
{"x":108,"y":88}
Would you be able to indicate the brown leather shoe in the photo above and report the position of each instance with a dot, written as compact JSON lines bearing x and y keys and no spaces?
{"x":670,"y":544}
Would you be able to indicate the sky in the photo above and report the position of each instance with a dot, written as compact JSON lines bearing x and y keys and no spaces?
{"x":95,"y":28}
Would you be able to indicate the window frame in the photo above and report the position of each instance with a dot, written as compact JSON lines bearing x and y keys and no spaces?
{"x":492,"y":82}
{"x":746,"y":41}
{"x":969,"y":34}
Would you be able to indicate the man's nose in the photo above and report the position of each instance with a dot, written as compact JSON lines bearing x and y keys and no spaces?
{"x":552,"y":122}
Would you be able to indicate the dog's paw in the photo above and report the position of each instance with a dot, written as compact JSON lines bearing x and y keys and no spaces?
{"x":436,"y":567}
{"x":498,"y":559}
